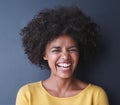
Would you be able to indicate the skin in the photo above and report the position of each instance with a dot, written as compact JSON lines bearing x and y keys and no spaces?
{"x":62,"y":55}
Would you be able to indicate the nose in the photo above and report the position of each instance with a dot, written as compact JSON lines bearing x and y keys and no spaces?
{"x":65,"y":55}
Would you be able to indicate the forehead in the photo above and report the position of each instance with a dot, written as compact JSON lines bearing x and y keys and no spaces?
{"x":62,"y":40}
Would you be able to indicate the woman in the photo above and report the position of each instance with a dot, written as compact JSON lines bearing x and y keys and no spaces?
{"x":60,"y":39}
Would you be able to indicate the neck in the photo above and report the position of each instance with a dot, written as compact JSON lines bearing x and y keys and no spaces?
{"x":59,"y":84}
{"x":63,"y":87}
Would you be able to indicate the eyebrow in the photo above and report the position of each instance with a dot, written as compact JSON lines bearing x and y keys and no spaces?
{"x":73,"y":47}
{"x":57,"y":47}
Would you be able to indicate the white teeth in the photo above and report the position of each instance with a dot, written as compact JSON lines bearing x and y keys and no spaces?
{"x":64,"y":65}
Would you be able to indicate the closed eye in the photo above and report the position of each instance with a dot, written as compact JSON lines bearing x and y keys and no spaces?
{"x":73,"y":49}
{"x":55,"y":49}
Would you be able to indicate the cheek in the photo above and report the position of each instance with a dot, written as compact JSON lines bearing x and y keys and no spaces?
{"x":52,"y":64}
{"x":75,"y":57}
{"x":52,"y":59}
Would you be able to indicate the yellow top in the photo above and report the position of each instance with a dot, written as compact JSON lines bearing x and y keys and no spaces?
{"x":35,"y":94}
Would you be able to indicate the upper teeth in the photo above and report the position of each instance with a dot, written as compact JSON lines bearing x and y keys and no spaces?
{"x":64,"y":64}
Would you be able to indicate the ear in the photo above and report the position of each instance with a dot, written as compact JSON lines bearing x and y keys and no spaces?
{"x":44,"y":57}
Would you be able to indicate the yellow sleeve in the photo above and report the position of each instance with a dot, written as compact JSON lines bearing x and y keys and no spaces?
{"x":22,"y":97}
{"x":102,"y":98}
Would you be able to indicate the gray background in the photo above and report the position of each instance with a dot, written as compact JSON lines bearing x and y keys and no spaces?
{"x":16,"y":70}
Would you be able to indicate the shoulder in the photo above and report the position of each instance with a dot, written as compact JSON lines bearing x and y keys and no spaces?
{"x":26,"y":92}
{"x":99,"y":94}
{"x":95,"y":90}
{"x":95,"y":87}
{"x":29,"y":88}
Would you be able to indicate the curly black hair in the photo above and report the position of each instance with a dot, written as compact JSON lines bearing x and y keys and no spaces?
{"x":50,"y":23}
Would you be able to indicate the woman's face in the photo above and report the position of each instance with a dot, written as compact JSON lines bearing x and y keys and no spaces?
{"x":62,"y":55}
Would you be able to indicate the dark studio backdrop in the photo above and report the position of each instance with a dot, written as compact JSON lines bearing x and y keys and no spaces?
{"x":16,"y":70}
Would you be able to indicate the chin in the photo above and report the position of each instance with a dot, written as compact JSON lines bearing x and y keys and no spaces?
{"x":65,"y":76}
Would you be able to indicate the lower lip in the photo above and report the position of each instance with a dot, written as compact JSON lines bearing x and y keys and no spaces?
{"x":64,"y":70}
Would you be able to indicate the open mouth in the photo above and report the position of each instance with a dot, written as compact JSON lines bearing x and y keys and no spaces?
{"x":64,"y":66}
